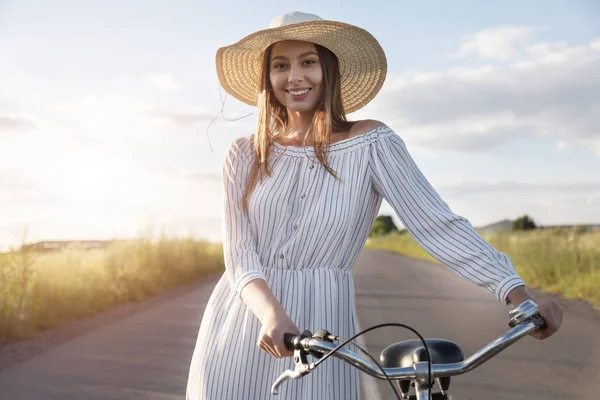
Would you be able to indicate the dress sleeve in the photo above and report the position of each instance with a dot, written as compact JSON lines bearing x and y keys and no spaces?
{"x":242,"y":262}
{"x":447,"y":237}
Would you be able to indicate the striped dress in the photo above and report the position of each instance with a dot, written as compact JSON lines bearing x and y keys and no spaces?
{"x":303,"y":234}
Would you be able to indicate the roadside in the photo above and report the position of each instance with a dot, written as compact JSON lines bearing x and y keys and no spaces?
{"x":564,"y":262}
{"x":18,"y":351}
{"x":147,"y":354}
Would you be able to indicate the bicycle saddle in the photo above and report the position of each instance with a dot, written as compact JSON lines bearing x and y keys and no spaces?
{"x":406,"y":353}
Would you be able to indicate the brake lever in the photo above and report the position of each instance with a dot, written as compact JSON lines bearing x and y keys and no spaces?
{"x":302,"y":367}
{"x":289,"y":374}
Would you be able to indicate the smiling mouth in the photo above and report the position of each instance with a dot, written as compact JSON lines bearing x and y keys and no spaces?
{"x":298,"y":92}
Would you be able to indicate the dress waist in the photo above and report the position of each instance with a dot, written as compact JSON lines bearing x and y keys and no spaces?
{"x":311,"y":270}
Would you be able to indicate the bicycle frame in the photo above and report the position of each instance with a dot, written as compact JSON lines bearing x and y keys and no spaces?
{"x":524,"y":319}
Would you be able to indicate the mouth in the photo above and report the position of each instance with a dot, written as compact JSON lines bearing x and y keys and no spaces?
{"x":298,"y":92}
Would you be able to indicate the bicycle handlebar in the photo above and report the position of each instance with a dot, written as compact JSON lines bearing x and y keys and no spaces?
{"x":525,"y":319}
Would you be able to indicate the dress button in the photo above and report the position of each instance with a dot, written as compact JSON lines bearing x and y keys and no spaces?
{"x":295,"y":227}
{"x":281,"y":256}
{"x":311,"y":167}
{"x":303,"y":196}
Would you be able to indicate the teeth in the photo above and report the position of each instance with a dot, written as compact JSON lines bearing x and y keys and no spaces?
{"x":299,"y":93}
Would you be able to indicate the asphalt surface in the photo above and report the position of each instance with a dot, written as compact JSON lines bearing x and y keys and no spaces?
{"x":146,"y":355}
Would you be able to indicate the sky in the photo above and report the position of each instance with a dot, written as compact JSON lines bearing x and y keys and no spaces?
{"x":105,"y":109}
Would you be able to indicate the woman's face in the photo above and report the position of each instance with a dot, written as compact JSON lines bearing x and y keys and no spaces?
{"x":296,"y":75}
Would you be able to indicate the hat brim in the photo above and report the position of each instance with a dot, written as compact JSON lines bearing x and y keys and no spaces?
{"x":362,"y":61}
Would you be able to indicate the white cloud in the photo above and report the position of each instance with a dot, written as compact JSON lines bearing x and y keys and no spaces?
{"x":584,"y":188}
{"x":99,"y":191}
{"x":540,"y":50}
{"x":562,"y":145}
{"x":494,"y":44}
{"x":103,"y":165}
{"x":163,"y":81}
{"x":548,"y":203}
{"x":551,"y":90}
{"x":15,"y":123}
{"x":103,"y":118}
{"x":182,"y":118}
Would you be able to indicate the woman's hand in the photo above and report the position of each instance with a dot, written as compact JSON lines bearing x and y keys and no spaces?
{"x":552,"y":313}
{"x":275,"y":323}
{"x":549,"y":309}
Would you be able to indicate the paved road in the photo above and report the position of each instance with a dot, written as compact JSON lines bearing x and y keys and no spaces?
{"x":145,"y":356}
{"x":438,"y":304}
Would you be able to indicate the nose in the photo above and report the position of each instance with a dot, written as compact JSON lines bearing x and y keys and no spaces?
{"x":295,"y":75}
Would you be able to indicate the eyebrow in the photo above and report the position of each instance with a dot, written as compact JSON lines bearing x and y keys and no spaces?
{"x":308,"y":53}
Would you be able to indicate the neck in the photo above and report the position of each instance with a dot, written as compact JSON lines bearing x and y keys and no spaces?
{"x":298,"y":124}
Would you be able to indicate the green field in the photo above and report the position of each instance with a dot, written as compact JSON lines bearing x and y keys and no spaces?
{"x":560,"y":261}
{"x":42,"y":290}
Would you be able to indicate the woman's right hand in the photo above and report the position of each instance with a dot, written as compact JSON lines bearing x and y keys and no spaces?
{"x":275,"y":323}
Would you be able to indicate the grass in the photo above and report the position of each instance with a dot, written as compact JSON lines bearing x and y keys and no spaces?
{"x":560,"y":261}
{"x":42,"y":290}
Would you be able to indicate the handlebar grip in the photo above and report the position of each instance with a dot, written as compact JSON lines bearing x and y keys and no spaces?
{"x":540,"y":323}
{"x":288,"y":340}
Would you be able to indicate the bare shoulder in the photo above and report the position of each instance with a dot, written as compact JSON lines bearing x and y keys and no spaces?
{"x":364,"y":126}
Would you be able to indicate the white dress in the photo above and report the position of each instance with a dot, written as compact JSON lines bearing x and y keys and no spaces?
{"x":303,"y":234}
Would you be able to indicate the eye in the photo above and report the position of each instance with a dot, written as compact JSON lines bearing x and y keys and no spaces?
{"x":310,"y":62}
{"x":278,"y":66}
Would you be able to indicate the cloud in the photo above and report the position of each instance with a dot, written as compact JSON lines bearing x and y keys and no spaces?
{"x":548,"y":203}
{"x":181,"y":118}
{"x":208,"y":228}
{"x":206,"y":178}
{"x":494,"y":44}
{"x":551,"y":90}
{"x":562,"y":145}
{"x":589,"y":188}
{"x":163,"y":81}
{"x":9,"y":124}
{"x":115,"y":120}
{"x":468,"y":135}
{"x":20,"y":189}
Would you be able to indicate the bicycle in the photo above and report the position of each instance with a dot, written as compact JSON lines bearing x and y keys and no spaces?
{"x":408,"y":362}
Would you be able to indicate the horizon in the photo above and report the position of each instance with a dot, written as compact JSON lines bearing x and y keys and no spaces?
{"x":108,"y":239}
{"x":105,"y":109}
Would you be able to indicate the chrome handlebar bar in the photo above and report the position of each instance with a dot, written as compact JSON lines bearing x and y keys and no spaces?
{"x":525,"y":319}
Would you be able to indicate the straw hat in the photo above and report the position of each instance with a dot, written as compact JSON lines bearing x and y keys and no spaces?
{"x":362,"y":62}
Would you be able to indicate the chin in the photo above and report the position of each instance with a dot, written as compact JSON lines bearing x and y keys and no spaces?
{"x":301,"y":108}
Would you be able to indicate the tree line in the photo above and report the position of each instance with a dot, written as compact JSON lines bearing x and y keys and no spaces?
{"x":384,"y":225}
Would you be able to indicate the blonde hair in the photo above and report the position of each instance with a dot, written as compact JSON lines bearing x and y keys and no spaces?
{"x":328,"y":118}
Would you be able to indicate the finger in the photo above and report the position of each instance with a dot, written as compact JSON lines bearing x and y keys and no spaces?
{"x":263,"y":348}
{"x":284,"y":352}
{"x":281,"y":351}
{"x":280,"y":347}
{"x":538,"y":335}
{"x":559,"y":314}
{"x":272,"y":351}
{"x":272,"y":347}
{"x":267,"y":348}
{"x":551,"y":330}
{"x":545,"y":333}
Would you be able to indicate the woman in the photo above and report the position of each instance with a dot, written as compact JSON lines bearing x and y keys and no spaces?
{"x":301,"y":196}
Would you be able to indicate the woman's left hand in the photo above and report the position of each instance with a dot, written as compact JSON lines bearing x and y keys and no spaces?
{"x":552,"y":313}
{"x":549,"y":309}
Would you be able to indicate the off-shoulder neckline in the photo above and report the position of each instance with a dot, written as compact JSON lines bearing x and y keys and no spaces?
{"x":337,"y":147}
